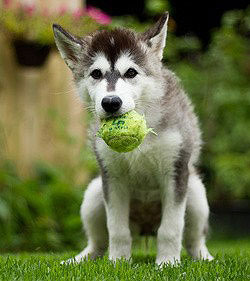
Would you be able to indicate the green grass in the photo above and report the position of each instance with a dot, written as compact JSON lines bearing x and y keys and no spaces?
{"x":231,"y":263}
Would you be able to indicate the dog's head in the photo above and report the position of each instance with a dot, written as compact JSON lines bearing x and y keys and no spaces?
{"x":115,"y":70}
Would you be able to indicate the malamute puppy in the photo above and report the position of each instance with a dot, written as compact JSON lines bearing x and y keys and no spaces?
{"x":155,"y":188}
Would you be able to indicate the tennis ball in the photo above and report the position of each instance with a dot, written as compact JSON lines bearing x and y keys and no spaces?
{"x":125,"y":132}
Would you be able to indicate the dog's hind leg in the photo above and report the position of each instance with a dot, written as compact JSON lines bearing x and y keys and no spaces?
{"x":196,"y":221}
{"x":94,"y":221}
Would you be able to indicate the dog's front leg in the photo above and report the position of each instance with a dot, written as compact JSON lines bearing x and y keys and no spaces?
{"x":117,"y":209}
{"x":169,"y":236}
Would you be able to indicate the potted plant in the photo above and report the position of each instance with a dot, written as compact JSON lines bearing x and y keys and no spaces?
{"x":29,"y":29}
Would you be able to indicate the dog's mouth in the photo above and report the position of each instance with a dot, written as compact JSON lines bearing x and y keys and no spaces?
{"x":115,"y":114}
{"x":109,"y":115}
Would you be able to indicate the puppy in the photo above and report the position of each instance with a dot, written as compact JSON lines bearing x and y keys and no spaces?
{"x":155,"y":188}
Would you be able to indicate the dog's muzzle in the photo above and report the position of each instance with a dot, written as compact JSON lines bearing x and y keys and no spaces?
{"x":111,"y":104}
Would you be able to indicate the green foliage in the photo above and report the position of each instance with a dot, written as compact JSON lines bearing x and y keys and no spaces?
{"x":39,"y":213}
{"x":154,"y":7}
{"x":219,"y":85}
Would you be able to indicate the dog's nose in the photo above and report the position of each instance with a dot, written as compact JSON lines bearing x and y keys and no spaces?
{"x":111,"y":103}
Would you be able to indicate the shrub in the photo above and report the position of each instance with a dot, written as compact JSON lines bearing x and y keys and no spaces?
{"x":218,"y":82}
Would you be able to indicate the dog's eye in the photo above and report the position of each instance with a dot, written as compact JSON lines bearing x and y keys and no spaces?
{"x":130,"y":73}
{"x":96,"y":74}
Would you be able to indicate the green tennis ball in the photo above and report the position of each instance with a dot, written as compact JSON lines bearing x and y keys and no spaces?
{"x":125,"y":132}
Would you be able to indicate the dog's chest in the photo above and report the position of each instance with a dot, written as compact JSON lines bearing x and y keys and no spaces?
{"x":146,"y":169}
{"x":138,"y":171}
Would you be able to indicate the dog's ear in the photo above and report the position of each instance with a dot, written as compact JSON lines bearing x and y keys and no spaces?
{"x":155,"y":37}
{"x":69,"y":46}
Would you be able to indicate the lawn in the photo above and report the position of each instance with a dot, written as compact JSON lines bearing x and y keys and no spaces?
{"x":232,"y":262}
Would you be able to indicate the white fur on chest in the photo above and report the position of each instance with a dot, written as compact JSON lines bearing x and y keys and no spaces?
{"x":144,"y":170}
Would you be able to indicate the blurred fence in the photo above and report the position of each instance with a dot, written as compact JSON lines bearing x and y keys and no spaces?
{"x":40,"y":115}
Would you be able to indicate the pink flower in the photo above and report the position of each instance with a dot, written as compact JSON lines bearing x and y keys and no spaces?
{"x":6,"y":3}
{"x":29,"y":9}
{"x":62,"y":10}
{"x":98,"y":15}
{"x":78,"y":13}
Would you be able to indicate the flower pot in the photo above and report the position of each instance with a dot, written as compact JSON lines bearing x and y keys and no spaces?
{"x":29,"y":53}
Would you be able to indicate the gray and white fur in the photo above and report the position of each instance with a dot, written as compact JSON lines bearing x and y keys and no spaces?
{"x":156,"y":187}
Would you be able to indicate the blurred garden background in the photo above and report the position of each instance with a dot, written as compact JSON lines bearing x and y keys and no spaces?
{"x":45,"y":160}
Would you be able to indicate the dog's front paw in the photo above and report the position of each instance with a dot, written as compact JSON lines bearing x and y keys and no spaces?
{"x":87,"y":253}
{"x":120,"y":251}
{"x":74,"y":260}
{"x":163,"y":261}
{"x":77,"y":259}
{"x":201,"y":253}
